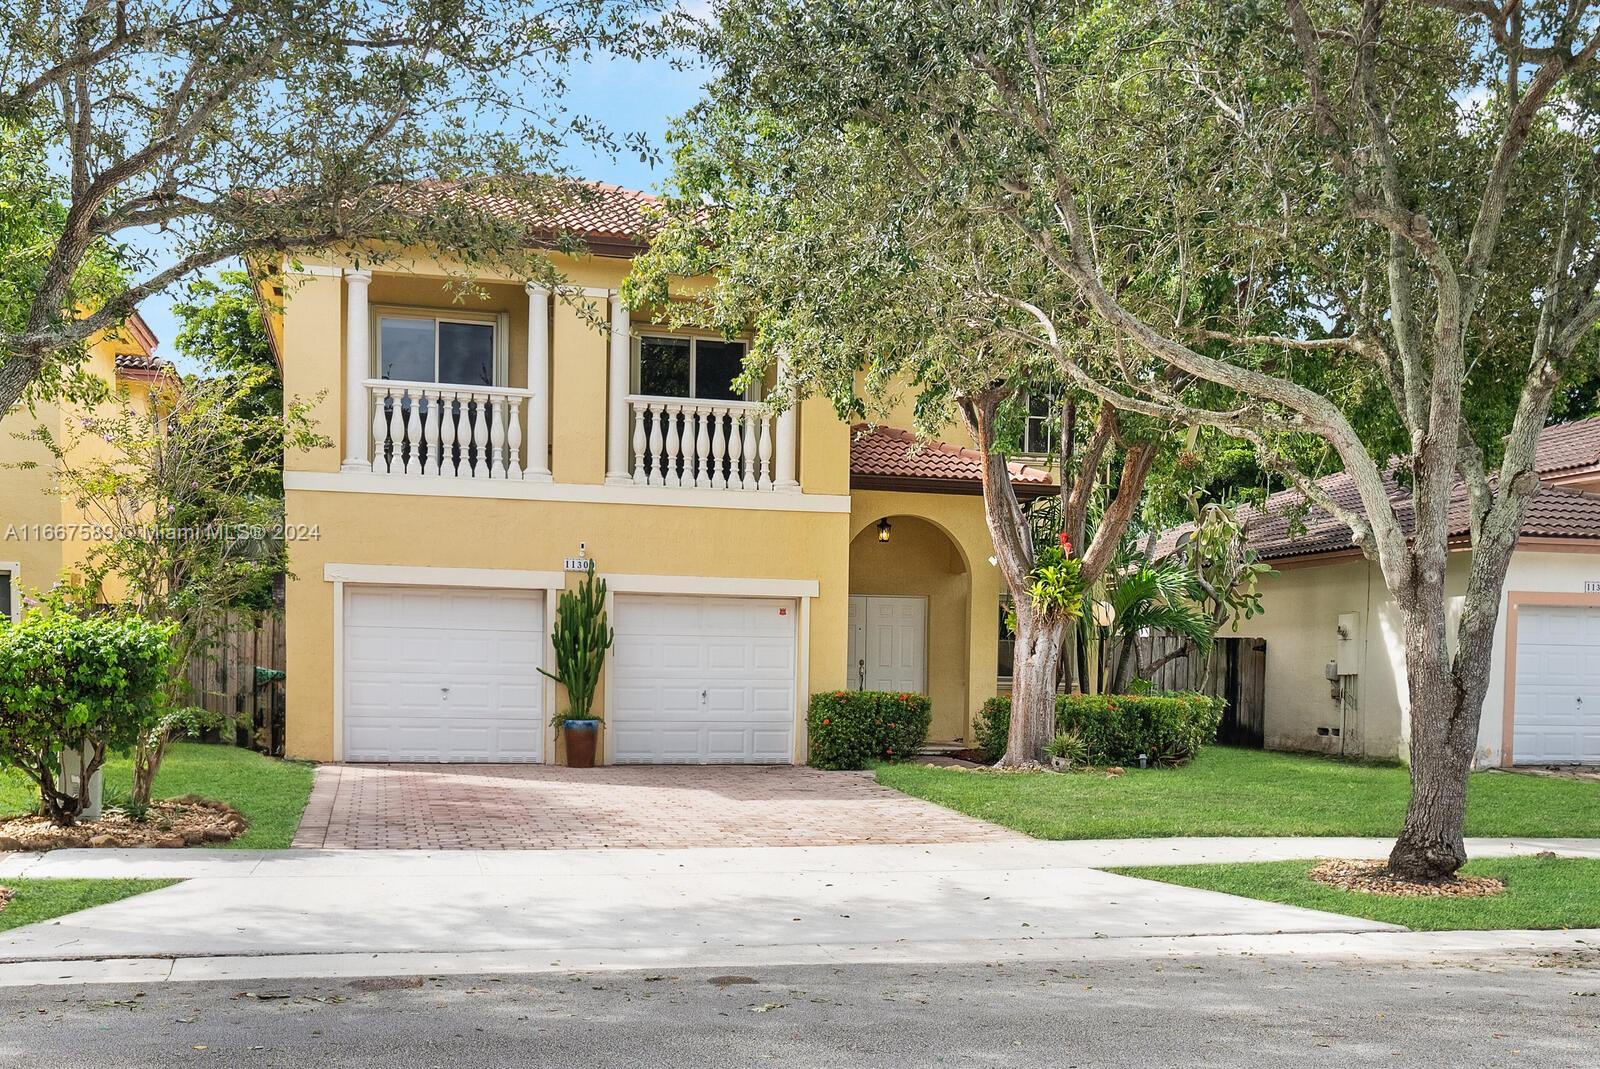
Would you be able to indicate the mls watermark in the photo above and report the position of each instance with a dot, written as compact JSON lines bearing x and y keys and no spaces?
{"x":106,"y":532}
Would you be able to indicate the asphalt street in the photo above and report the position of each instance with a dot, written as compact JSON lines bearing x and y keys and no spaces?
{"x":1517,"y":1008}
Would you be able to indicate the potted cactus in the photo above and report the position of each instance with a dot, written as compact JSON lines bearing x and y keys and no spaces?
{"x":581,"y":638}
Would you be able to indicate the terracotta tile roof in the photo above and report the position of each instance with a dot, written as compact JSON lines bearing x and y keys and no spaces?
{"x":887,"y":458}
{"x":140,"y":362}
{"x":601,"y":213}
{"x":1284,"y":526}
{"x":1569,"y":446}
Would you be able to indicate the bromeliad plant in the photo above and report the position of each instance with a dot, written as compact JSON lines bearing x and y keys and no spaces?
{"x":581,"y":638}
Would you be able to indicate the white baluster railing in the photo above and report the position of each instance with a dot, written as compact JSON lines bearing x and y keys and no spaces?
{"x":711,"y":445}
{"x":446,"y":431}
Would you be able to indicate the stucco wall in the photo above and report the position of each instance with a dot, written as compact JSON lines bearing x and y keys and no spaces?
{"x":969,"y":638}
{"x":1560,"y":576}
{"x":486,"y":533}
{"x":624,"y":537}
{"x":919,"y":559}
{"x":28,"y":500}
{"x":1302,"y":607}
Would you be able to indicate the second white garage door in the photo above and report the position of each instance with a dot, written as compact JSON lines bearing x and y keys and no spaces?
{"x":434,"y":674}
{"x":700,"y":680}
{"x":1558,"y":685}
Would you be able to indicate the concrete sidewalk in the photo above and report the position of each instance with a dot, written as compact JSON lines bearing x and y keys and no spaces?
{"x":1015,"y":854}
{"x":329,"y":912}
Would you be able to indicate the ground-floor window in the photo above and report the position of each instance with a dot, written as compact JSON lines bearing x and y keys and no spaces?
{"x":1008,"y":641}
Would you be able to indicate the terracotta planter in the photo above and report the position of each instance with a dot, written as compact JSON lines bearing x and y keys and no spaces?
{"x":583,"y":737}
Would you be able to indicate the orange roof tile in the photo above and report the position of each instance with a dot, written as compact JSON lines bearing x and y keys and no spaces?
{"x":887,"y":458}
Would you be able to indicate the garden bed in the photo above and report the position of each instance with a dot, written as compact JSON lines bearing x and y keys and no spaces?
{"x":173,"y":822}
{"x":1370,"y":877}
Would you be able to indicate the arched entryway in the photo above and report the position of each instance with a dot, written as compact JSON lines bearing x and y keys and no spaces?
{"x":910,"y":606}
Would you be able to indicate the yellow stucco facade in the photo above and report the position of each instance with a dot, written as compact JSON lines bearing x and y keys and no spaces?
{"x":45,"y":537}
{"x":803,"y":547}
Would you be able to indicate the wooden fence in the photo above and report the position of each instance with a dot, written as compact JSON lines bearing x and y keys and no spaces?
{"x":241,"y":678}
{"x":1237,"y":674}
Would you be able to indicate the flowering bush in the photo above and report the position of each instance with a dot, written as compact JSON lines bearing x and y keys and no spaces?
{"x":850,"y":728}
{"x":1169,"y":729}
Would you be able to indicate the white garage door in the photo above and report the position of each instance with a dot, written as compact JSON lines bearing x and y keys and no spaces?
{"x":703,"y":680}
{"x":1558,"y":685}
{"x":434,"y":674}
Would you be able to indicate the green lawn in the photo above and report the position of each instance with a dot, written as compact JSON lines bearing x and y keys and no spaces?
{"x":1540,"y":893}
{"x":269,"y":792}
{"x":1245,"y":792}
{"x":40,"y":900}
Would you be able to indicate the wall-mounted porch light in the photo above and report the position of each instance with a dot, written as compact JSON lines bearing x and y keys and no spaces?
{"x":884,"y":527}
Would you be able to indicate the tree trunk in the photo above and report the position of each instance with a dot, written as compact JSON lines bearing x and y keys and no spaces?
{"x":16,"y":372}
{"x":1033,"y":690}
{"x":1119,"y":674}
{"x":1037,"y":651}
{"x":148,"y":753}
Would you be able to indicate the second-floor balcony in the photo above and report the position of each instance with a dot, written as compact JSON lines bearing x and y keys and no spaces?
{"x":408,"y":414}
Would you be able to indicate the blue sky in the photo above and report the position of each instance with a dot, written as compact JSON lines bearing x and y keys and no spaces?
{"x":625,"y":95}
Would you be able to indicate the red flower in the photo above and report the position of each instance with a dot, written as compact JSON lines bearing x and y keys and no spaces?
{"x":1066,"y":544}
{"x":891,"y":723}
{"x":888,"y":749}
{"x":826,"y":721}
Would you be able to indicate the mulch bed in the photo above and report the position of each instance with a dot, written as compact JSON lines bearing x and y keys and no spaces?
{"x":1372,"y":878}
{"x":171,"y":822}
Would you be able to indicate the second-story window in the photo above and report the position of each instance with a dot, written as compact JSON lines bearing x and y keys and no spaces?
{"x":676,"y":366}
{"x":1039,"y":433}
{"x":417,"y":348}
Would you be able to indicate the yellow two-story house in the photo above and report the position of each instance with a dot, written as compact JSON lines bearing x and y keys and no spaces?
{"x":485,"y":448}
{"x":44,"y":536}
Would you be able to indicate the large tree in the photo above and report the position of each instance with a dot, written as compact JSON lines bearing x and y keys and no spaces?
{"x":1368,"y":225}
{"x":184,"y":133}
{"x":860,"y":294}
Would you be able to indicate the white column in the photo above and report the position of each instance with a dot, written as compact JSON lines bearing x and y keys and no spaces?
{"x":617,"y":396}
{"x":357,"y":365}
{"x":538,"y":467}
{"x":788,"y":436}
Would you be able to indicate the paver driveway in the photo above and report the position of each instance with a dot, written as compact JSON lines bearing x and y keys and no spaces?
{"x":542,"y":807}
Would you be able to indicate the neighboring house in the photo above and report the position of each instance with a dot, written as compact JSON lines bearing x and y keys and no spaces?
{"x":44,"y":537}
{"x":484,"y":447}
{"x":1329,"y":614}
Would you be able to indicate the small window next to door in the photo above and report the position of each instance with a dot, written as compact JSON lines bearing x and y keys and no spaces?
{"x":1008,"y":642}
{"x":8,"y":608}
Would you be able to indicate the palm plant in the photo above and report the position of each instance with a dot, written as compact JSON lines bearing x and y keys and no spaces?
{"x":1155,"y":597}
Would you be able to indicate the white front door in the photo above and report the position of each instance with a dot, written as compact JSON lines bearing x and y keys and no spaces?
{"x":889,"y":643}
{"x":1557,"y":711}
{"x":443,"y":674}
{"x":702,"y":680}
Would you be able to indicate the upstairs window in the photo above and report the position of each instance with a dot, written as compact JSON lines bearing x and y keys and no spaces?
{"x":421,"y":348}
{"x":1041,"y":429}
{"x":672,"y":365}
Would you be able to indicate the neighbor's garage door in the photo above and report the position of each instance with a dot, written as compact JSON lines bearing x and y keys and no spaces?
{"x":702,"y":679}
{"x":434,"y":674}
{"x":1558,"y":685}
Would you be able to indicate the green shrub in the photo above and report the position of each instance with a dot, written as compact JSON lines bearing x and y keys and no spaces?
{"x":1168,"y":729}
{"x":994,"y":724}
{"x":70,"y":682}
{"x":1069,"y":748}
{"x":850,"y":728}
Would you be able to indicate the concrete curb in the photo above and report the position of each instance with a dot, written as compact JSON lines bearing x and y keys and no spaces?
{"x":1507,"y":947}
